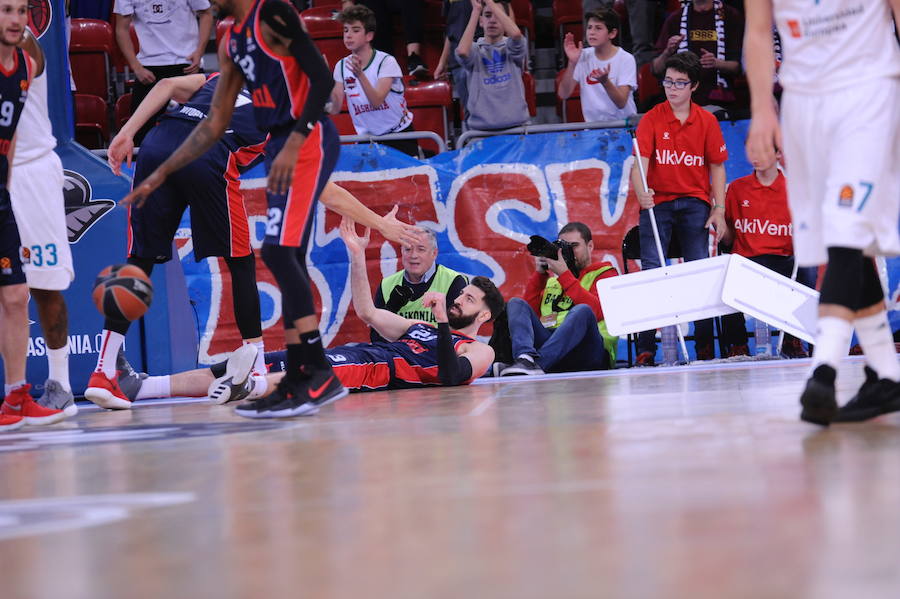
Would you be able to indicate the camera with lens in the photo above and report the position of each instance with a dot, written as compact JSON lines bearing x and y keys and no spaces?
{"x":542,"y":248}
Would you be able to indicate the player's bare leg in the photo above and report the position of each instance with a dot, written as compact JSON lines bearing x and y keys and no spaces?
{"x":54,"y":318}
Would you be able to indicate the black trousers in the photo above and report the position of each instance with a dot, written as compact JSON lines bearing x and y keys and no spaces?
{"x":140,"y":91}
{"x":412,"y":14}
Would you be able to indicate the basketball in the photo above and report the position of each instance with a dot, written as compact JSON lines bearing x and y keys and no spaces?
{"x":122,"y":292}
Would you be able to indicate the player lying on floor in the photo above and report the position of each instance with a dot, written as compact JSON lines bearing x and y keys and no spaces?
{"x":415,"y":354}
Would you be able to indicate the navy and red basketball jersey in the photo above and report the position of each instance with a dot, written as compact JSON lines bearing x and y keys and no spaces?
{"x":13,"y":91}
{"x":415,"y":355}
{"x":242,"y":132}
{"x":278,"y":84}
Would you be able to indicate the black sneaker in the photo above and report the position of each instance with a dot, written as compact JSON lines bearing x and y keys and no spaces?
{"x":414,"y":66}
{"x":875,"y":397}
{"x":524,"y":365}
{"x":304,"y":397}
{"x":818,"y":399}
{"x":259,"y":408}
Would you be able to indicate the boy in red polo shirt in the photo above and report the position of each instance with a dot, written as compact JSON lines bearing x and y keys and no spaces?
{"x":760,"y":229}
{"x":683,"y":153}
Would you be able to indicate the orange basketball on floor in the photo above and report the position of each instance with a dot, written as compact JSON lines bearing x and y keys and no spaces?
{"x":122,"y":292}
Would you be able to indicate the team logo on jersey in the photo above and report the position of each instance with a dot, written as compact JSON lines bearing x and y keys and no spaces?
{"x":5,"y":266}
{"x":25,"y":255}
{"x":794,"y":26}
{"x":845,"y":199}
{"x":40,"y":13}
{"x":666,"y":135}
{"x":745,"y":203}
{"x":82,"y":212}
{"x":23,"y":85}
{"x":349,"y":82}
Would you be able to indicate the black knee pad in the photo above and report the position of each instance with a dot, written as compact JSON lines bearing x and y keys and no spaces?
{"x":843,"y":280}
{"x":872,"y":292}
{"x":245,"y":295}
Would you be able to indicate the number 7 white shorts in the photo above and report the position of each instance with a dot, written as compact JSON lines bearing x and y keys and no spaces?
{"x":38,"y":204}
{"x":842,"y":162}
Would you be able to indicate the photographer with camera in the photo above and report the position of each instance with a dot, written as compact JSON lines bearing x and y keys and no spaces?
{"x":559,"y":325}
{"x":402,"y":292}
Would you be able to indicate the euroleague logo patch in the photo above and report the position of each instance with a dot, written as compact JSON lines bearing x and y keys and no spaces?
{"x":845,"y":198}
{"x":40,"y":13}
{"x":82,"y":212}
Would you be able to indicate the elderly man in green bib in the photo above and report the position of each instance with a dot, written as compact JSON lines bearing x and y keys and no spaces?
{"x":559,"y":326}
{"x":402,"y":292}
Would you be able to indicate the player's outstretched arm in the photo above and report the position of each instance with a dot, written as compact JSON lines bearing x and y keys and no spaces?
{"x":204,"y":135}
{"x":338,"y":199}
{"x":180,"y":89}
{"x":764,"y":136}
{"x":389,"y":325}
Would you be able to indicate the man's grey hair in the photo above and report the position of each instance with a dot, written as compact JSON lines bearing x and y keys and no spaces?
{"x":432,"y":235}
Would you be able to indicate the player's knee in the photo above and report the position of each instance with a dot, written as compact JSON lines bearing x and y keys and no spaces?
{"x":842,"y":284}
{"x":14,"y":298}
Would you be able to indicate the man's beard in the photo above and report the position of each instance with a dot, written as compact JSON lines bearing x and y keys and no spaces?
{"x":459,"y":320}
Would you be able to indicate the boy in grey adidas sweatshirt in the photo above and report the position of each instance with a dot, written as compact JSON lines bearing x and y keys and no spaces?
{"x":495,"y":64}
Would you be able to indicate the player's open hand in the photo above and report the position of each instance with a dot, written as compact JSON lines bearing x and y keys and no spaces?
{"x":764,"y":137}
{"x":398,"y":231}
{"x":356,"y":243}
{"x":121,"y":148}
{"x":437,"y":303}
{"x":142,"y":191}
{"x":573,"y":52}
{"x":716,"y":220}
{"x":281,"y":172}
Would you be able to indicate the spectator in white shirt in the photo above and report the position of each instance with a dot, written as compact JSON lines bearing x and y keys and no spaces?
{"x":606,"y":73}
{"x":372,"y":83}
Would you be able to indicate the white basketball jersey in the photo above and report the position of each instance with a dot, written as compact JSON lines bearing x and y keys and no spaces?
{"x":832,"y":44}
{"x":34,"y":135}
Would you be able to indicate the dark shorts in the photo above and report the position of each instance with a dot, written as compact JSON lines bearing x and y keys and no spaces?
{"x":208,"y":186}
{"x":290,"y":215}
{"x":11,"y":251}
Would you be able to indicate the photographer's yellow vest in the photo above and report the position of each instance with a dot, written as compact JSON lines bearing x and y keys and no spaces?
{"x":552,"y":292}
{"x":416,"y":310}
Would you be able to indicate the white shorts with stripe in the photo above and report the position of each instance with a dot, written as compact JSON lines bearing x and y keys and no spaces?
{"x":36,"y":190}
{"x":841,"y":154}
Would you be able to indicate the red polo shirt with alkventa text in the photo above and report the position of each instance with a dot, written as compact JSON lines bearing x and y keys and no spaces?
{"x":680,"y":154}
{"x":759,"y":216}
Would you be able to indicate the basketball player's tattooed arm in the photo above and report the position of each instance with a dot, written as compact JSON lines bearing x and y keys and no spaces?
{"x":285,"y":34}
{"x":389,"y":325}
{"x":764,"y":136}
{"x":204,"y":135}
{"x":179,"y":89}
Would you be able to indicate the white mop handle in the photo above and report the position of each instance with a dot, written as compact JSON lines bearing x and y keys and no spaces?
{"x":640,"y":163}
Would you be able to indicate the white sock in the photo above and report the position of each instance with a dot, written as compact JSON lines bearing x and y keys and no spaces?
{"x":7,"y":389}
{"x":877,"y":342}
{"x":58,"y":362}
{"x":259,"y":388}
{"x":155,"y":386}
{"x":832,"y":341}
{"x":259,"y":366}
{"x":109,"y":349}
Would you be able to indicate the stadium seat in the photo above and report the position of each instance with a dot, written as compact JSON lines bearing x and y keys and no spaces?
{"x":569,"y":109}
{"x":123,"y":110}
{"x":91,"y":121}
{"x":530,"y":93}
{"x":334,"y":4}
{"x":649,"y":90}
{"x":90,"y":51}
{"x":430,"y":103}
{"x":221,"y":27}
{"x":524,"y":16}
{"x":567,"y":17}
{"x":327,"y":34}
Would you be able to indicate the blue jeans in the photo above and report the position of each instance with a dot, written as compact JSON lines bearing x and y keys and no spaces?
{"x":687,"y":216}
{"x":574,"y":345}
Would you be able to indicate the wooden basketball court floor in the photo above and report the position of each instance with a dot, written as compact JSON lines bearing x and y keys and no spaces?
{"x":693,"y":482}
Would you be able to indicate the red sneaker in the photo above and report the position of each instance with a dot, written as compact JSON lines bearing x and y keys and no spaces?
{"x":19,"y":403}
{"x":106,"y":393}
{"x":10,"y":423}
